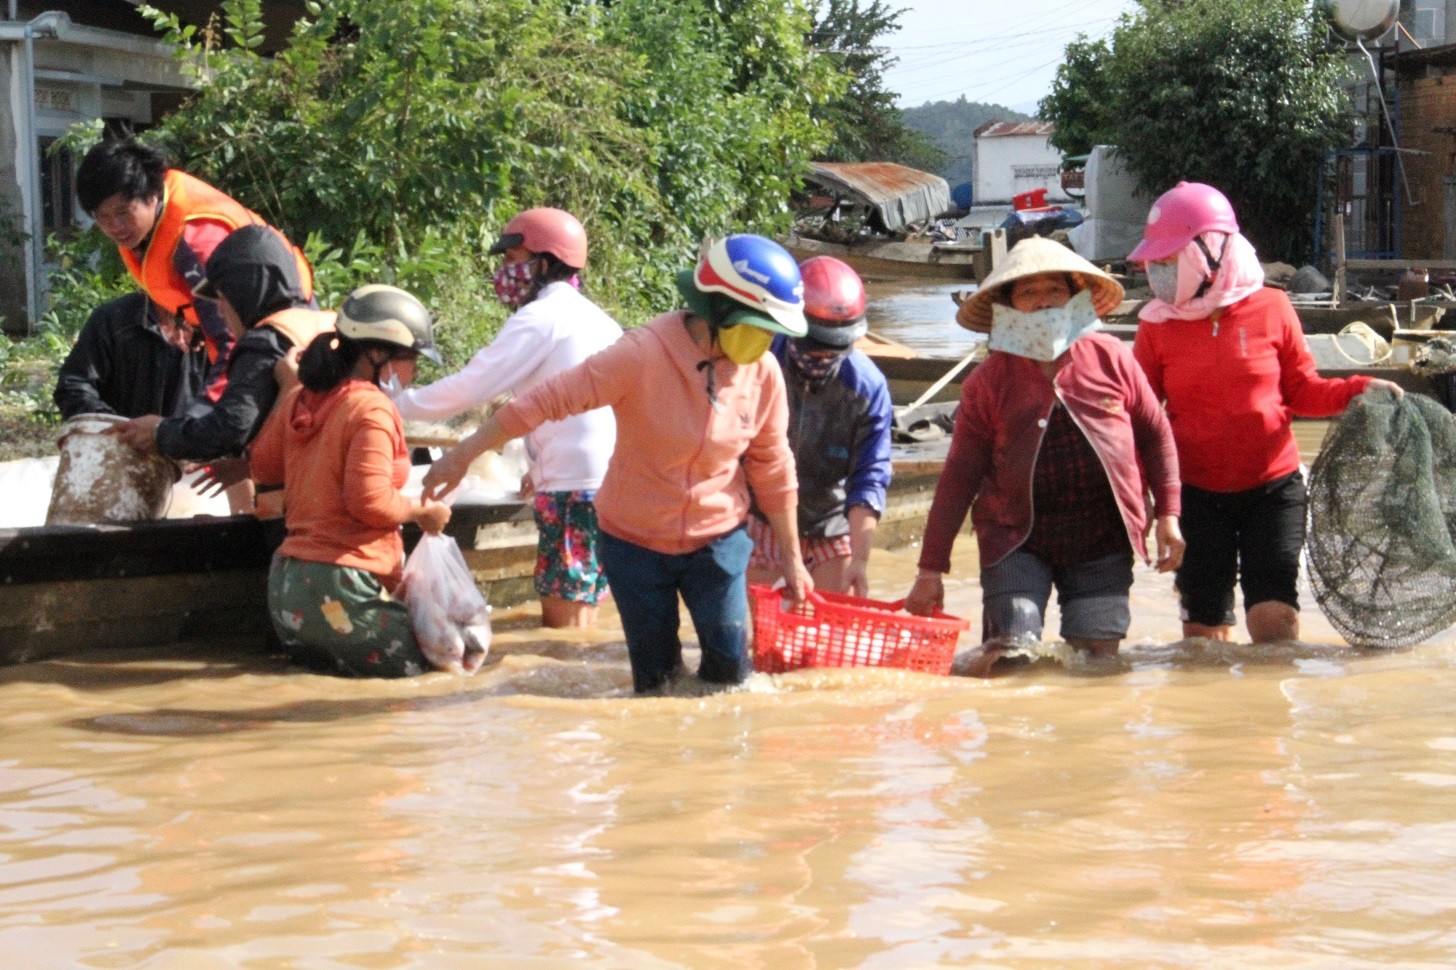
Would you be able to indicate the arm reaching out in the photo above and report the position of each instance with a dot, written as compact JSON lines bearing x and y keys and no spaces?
{"x":446,"y":474}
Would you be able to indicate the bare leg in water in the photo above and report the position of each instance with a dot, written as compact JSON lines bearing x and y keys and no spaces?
{"x":557,"y":612}
{"x":1268,"y":622}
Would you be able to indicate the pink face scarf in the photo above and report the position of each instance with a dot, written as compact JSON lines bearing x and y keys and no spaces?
{"x":1237,"y":276}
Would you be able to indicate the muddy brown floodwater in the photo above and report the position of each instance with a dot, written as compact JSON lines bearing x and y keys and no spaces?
{"x":1183,"y":805}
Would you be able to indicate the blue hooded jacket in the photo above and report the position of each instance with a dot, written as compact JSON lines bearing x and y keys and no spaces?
{"x":839,"y":430}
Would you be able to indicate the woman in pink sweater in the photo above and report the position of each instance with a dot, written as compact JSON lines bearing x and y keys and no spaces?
{"x":701,"y":415}
{"x":1057,"y":443}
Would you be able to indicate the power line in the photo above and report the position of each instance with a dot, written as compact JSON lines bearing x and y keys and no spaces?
{"x":920,"y":65}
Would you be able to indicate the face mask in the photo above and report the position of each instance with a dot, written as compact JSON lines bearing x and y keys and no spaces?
{"x":1045,"y":334}
{"x":391,"y":385}
{"x":514,"y":283}
{"x":744,"y":343}
{"x":1163,"y":281}
{"x":816,"y":367}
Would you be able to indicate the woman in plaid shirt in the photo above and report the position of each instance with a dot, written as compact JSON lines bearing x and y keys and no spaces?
{"x":1057,"y":442}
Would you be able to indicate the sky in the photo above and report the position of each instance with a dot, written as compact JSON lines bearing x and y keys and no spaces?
{"x":1000,"y":51}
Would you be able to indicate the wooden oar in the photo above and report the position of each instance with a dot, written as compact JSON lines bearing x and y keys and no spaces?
{"x":935,"y":388}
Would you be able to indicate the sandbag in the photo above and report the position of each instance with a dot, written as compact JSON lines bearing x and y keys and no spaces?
{"x":1382,"y":501}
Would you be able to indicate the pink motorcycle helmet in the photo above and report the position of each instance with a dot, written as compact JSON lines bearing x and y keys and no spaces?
{"x":1185,"y":211}
{"x":546,"y":230}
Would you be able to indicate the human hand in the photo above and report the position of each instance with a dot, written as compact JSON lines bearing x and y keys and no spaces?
{"x":1170,"y":543}
{"x":798,"y":583}
{"x":445,"y":475}
{"x":857,"y":577}
{"x":220,"y":475}
{"x":927,"y":596}
{"x":285,"y":371}
{"x":139,"y":433}
{"x":431,"y":516}
{"x":527,"y":488}
{"x":1384,"y":385}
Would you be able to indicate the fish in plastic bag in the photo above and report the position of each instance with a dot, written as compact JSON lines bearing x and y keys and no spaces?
{"x":450,"y":618}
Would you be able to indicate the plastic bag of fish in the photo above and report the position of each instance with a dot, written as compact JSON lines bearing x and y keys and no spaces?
{"x":450,"y":618}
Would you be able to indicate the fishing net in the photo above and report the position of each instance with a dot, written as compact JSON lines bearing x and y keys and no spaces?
{"x":1382,"y":499}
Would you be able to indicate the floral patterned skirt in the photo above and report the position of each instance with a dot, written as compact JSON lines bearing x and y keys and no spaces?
{"x":566,"y":550}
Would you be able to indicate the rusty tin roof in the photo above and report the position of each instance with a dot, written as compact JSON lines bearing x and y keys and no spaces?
{"x":901,"y":195}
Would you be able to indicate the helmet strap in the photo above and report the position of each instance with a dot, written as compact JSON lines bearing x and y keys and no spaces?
{"x":1214,"y":265}
{"x":538,"y":276}
{"x":379,"y":365}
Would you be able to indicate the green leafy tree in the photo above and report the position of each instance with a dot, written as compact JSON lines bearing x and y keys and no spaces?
{"x":1080,"y":102}
{"x":867,"y":124}
{"x":1242,"y":94}
{"x":406,"y":133}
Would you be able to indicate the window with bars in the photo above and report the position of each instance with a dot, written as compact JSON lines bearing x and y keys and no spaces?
{"x":57,"y":189}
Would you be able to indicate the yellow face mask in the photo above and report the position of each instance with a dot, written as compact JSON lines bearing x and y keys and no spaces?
{"x":744,"y":343}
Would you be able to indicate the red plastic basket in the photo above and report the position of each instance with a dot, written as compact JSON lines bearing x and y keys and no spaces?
{"x":831,"y":630}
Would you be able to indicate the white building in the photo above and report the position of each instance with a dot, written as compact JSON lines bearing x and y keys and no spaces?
{"x":1014,"y":157}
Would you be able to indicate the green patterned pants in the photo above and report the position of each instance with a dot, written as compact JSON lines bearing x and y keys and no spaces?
{"x":341,"y":621}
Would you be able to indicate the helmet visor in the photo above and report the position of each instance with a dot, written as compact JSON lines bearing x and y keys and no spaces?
{"x":836,"y":336}
{"x":509,"y":240}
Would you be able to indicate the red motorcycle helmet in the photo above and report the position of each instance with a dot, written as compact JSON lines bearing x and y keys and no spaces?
{"x":834,"y":303}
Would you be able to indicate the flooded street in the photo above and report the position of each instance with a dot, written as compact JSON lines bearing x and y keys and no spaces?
{"x":920,"y":315}
{"x":1192,"y":805}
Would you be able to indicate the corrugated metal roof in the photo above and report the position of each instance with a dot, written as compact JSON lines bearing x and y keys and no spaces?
{"x":1011,"y":129}
{"x":901,"y":195}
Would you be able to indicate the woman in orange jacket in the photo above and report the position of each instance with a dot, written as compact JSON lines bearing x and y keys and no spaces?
{"x":337,"y":446}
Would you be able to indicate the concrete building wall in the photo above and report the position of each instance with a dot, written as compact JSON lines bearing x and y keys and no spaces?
{"x":1010,"y":164}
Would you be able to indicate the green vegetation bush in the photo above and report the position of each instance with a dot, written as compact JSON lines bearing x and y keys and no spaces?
{"x":1245,"y":95}
{"x":392,"y":140}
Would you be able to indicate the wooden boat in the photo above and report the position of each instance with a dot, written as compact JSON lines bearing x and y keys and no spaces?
{"x":73,"y":589}
{"x":911,"y":376}
{"x":893,"y":259}
{"x":1383,"y":318}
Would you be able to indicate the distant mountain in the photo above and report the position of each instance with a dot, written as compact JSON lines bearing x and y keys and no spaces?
{"x":949,"y":124}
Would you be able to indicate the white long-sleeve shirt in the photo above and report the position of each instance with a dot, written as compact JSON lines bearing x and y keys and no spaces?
{"x":556,"y":331}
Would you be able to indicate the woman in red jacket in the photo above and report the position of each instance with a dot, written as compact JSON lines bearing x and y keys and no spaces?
{"x":1054,"y":435}
{"x":1228,"y":356}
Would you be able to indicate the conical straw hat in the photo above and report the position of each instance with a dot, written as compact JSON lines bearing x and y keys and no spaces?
{"x":1028,"y":258}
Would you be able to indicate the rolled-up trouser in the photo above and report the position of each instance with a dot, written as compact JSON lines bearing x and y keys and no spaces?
{"x":341,"y":621}
{"x":1093,"y":597}
{"x":646,"y":585}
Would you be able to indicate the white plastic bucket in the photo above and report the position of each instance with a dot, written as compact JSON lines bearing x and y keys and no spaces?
{"x":101,"y":479}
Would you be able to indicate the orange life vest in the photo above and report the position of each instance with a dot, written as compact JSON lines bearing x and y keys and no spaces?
{"x":300,"y":324}
{"x":185,"y":198}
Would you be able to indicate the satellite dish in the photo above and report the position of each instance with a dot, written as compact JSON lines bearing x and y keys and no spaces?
{"x":1357,"y":20}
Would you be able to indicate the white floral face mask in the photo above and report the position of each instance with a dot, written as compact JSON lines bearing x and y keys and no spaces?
{"x":1043,"y":334}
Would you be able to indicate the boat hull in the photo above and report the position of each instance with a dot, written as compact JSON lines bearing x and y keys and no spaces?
{"x":894,"y":260}
{"x":73,"y":590}
{"x":66,"y":590}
